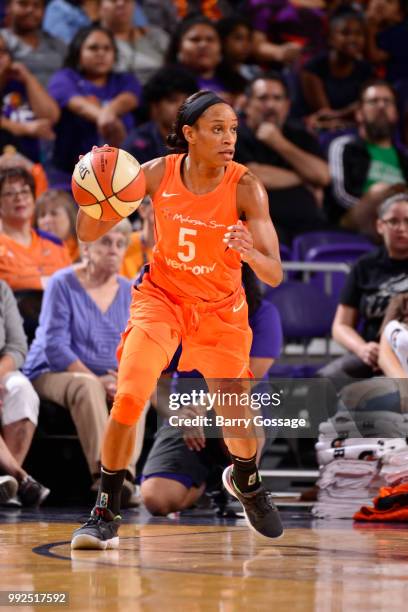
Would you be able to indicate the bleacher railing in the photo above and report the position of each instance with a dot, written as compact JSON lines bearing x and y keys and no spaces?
{"x":308,"y":268}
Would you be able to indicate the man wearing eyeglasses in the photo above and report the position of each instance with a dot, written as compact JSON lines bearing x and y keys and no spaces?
{"x":368,"y":167}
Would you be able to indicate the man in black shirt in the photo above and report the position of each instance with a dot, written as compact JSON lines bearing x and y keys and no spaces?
{"x":373,"y":280}
{"x":284,"y":156}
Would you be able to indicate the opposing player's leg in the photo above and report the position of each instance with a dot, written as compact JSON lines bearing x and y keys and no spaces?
{"x":174,"y":476}
{"x":164,"y":494}
{"x":141,"y":362}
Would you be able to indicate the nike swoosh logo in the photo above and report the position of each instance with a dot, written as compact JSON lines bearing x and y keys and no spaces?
{"x":236,"y":308}
{"x":169,"y":195}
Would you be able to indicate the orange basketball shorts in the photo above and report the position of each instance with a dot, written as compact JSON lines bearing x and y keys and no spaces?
{"x":216,"y":341}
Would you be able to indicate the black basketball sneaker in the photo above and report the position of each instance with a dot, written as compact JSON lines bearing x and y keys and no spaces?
{"x":261,"y":514}
{"x":100,"y":532}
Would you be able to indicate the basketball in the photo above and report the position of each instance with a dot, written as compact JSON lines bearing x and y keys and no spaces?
{"x":108,"y":183}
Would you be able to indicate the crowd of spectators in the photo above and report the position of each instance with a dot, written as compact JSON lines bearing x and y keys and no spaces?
{"x":321,"y":91}
{"x":319,"y":88}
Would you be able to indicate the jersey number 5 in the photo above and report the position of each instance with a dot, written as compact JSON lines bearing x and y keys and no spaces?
{"x":182,"y":242}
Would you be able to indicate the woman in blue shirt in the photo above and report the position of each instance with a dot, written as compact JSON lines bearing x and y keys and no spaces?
{"x":72,"y":360}
{"x":96,"y":103}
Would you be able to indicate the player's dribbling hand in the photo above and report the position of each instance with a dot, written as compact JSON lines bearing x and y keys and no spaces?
{"x":240,"y":239}
{"x":93,"y":149}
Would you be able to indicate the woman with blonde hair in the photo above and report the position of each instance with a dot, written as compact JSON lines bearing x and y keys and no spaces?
{"x":55,"y":213}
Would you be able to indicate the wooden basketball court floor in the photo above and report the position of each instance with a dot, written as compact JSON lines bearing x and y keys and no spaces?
{"x":199,"y":563}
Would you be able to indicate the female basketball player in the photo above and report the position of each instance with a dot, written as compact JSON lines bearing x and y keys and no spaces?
{"x":192,"y":292}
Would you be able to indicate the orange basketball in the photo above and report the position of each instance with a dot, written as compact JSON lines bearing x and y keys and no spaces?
{"x":108,"y":183}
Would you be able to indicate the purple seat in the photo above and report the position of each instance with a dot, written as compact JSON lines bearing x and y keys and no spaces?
{"x":338,"y":253}
{"x":304,"y":242}
{"x":335,"y":253}
{"x":306,"y":312}
{"x":285,"y":252}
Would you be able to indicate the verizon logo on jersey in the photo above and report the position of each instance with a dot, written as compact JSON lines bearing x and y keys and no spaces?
{"x":178,"y":265}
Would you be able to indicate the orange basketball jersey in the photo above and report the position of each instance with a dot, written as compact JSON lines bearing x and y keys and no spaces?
{"x":190,"y":259}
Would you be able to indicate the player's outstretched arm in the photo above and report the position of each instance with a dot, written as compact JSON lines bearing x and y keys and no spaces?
{"x":89,"y":229}
{"x":257,"y":243}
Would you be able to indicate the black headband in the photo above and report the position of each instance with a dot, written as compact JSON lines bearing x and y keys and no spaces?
{"x":196,"y":108}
